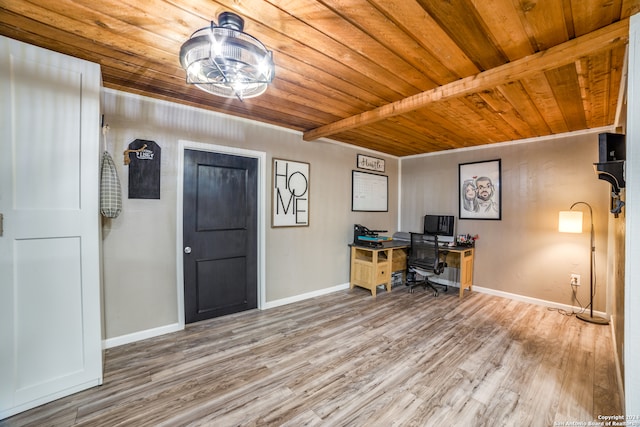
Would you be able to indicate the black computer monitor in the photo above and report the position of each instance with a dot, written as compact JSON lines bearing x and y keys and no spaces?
{"x":441,"y":225}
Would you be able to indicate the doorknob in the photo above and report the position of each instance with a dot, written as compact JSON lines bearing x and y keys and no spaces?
{"x":187,"y":250}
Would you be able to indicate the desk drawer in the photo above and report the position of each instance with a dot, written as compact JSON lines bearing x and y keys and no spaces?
{"x":383,"y":274}
{"x":370,"y":273}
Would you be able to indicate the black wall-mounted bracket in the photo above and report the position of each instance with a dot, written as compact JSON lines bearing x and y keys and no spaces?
{"x":611,"y":157}
{"x":612,"y":172}
{"x":610,"y":167}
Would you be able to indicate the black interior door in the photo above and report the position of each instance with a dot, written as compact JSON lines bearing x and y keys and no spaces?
{"x":219,"y":234}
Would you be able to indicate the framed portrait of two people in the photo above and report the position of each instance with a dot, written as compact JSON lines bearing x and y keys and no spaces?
{"x":480,"y":186}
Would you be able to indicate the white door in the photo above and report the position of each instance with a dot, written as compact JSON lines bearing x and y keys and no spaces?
{"x":50,"y":319}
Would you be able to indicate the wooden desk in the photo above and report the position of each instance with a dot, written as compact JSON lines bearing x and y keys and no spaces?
{"x":461,"y":258}
{"x":371,"y":267}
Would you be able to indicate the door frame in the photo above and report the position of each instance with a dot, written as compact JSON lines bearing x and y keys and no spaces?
{"x":261,"y":230}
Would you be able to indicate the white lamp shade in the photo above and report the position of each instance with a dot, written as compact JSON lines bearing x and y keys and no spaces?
{"x":570,"y":222}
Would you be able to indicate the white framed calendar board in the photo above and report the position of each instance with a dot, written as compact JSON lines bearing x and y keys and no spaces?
{"x":370,"y":192}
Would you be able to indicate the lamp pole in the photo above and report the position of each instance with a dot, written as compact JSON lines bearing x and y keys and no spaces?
{"x":582,"y":316}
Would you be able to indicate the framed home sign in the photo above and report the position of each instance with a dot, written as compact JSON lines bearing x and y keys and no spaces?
{"x":290,"y":199}
{"x":480,"y":190}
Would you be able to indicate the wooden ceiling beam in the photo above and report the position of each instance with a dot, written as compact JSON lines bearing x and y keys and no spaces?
{"x":603,"y":39}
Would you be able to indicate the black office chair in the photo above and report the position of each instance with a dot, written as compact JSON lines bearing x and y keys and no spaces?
{"x":424,"y":260}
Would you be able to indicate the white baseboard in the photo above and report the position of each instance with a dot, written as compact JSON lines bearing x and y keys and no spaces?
{"x":618,"y":367}
{"x":141,"y":335}
{"x":535,"y":301}
{"x":302,"y":297}
{"x":150,"y":333}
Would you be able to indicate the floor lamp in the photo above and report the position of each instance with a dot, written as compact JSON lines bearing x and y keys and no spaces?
{"x":571,"y":222}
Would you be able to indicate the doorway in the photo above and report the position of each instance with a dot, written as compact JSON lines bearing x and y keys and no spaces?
{"x":220,"y":231}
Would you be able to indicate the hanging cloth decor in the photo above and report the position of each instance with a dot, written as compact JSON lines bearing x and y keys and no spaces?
{"x":110,"y":192}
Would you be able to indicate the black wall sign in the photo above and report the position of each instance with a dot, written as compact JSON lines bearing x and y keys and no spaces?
{"x":144,"y":169}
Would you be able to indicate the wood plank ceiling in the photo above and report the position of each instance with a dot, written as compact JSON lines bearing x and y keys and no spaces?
{"x":401,"y":77}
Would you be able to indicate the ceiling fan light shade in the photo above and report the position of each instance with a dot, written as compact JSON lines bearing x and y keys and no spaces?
{"x":225,"y":61}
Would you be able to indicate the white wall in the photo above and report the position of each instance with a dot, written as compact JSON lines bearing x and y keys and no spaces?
{"x":632,"y":252}
{"x":522,"y":254}
{"x":140,"y":245}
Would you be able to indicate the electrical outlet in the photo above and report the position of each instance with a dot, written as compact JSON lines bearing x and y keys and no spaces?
{"x":575,"y":280}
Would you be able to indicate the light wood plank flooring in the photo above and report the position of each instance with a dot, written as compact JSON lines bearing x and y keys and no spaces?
{"x":346,"y":359}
